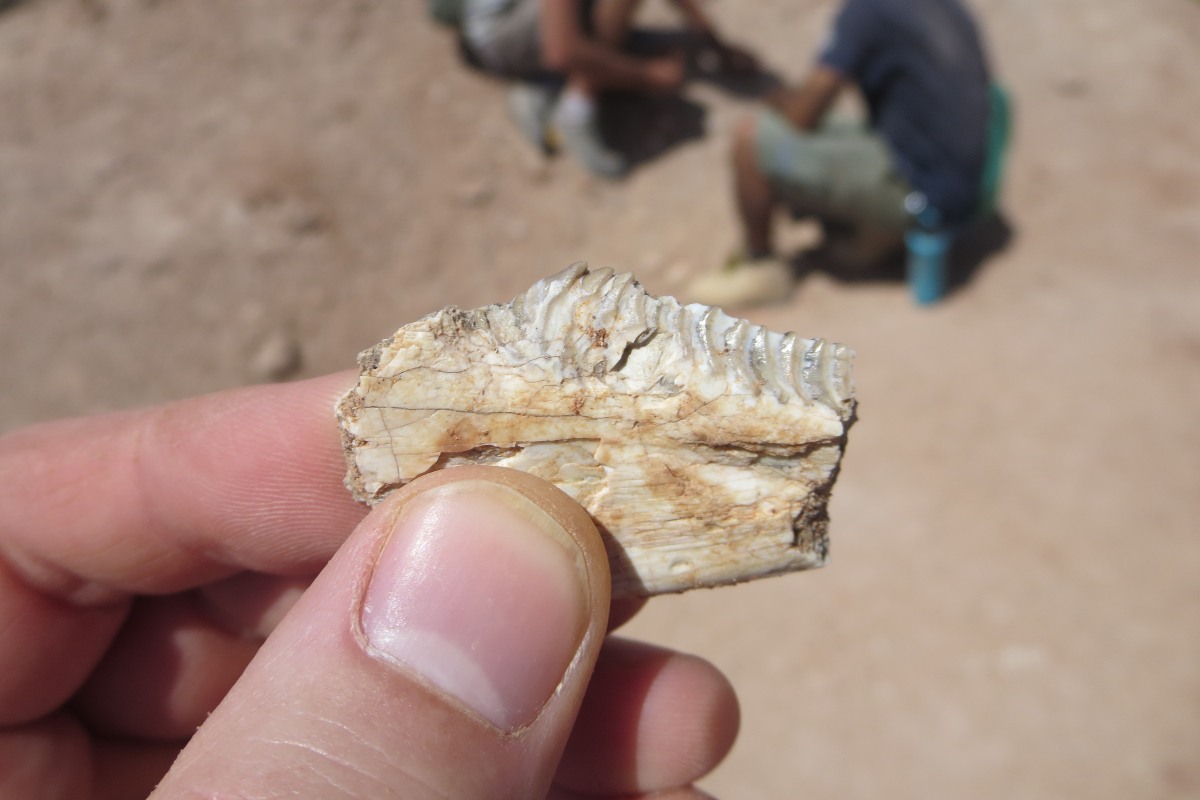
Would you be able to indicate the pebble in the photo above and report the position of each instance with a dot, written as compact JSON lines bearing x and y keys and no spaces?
{"x":278,"y":358}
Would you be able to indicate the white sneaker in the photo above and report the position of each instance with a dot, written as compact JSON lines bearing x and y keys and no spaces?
{"x":743,"y":283}
{"x":529,"y":105}
{"x":576,"y":128}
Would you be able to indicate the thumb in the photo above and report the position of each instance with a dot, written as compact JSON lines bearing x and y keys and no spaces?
{"x":443,"y":652}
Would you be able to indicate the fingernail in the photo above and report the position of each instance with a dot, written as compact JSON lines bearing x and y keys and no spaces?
{"x":483,"y":595}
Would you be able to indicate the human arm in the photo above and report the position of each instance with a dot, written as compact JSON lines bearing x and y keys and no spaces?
{"x":695,"y":16}
{"x":596,"y":63}
{"x":806,"y":104}
{"x":730,"y":57}
{"x":145,"y":557}
{"x":858,"y":30}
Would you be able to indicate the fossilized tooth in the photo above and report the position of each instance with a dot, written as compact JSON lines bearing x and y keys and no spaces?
{"x":703,"y":446}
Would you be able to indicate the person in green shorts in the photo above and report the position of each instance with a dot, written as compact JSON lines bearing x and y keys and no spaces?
{"x":923,"y":74}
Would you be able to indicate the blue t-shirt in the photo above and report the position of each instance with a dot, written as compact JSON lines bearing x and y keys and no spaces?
{"x":921,"y":67}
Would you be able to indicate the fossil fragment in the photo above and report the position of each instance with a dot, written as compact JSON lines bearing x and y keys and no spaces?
{"x":703,"y":446}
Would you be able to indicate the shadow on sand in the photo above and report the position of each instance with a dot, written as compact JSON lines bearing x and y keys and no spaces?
{"x":969,"y":253}
{"x":642,"y":127}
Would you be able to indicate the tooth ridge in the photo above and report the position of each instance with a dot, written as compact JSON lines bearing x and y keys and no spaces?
{"x":612,"y":311}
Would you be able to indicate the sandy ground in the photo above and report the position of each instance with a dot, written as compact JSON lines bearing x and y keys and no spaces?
{"x":191,"y":191}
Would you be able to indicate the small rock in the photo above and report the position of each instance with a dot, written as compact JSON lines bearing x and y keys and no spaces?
{"x":535,"y":165}
{"x":278,"y":358}
{"x":678,"y":271}
{"x":475,"y":194}
{"x":437,"y":92}
{"x":516,"y":229}
{"x":651,"y":261}
{"x":305,"y":221}
{"x":1072,"y":86}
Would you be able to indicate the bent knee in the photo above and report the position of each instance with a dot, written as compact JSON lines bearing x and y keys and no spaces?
{"x":745,"y":139}
{"x":745,"y":132}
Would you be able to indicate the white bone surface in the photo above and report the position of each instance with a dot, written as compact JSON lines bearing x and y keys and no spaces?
{"x":703,"y":446}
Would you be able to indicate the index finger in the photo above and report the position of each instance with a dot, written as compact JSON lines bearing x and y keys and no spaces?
{"x":167,"y":498}
{"x":95,"y":510}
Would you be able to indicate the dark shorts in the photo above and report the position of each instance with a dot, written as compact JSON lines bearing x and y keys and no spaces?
{"x":841,"y":170}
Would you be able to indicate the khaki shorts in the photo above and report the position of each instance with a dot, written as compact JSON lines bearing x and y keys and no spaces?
{"x":842,"y":171}
{"x":506,"y":38}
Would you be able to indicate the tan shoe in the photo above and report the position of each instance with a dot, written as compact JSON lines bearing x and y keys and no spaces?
{"x":743,"y":283}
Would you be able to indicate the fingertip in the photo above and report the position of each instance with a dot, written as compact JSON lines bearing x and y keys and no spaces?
{"x":653,"y":720}
{"x":693,"y":712}
{"x":482,"y":593}
{"x":564,"y":510}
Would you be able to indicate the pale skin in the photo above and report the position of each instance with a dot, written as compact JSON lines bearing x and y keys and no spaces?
{"x":157,"y":588}
{"x":804,"y":106}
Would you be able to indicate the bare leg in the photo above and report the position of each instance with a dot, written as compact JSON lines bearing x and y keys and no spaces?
{"x":759,"y":276}
{"x":753,"y":192}
{"x":613,"y":19}
{"x":611,"y":23}
{"x":601,"y":65}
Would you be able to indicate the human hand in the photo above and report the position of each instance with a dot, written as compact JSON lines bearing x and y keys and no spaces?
{"x":666,"y":73}
{"x":720,"y":57}
{"x":453,"y":645}
{"x":736,"y":61}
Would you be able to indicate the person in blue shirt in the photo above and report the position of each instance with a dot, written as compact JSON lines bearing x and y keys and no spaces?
{"x":921,"y":70}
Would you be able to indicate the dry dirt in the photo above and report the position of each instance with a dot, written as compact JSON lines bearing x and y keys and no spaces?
{"x":190,"y":190}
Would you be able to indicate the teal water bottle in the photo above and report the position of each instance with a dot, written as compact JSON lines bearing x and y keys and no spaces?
{"x":928,"y":246}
